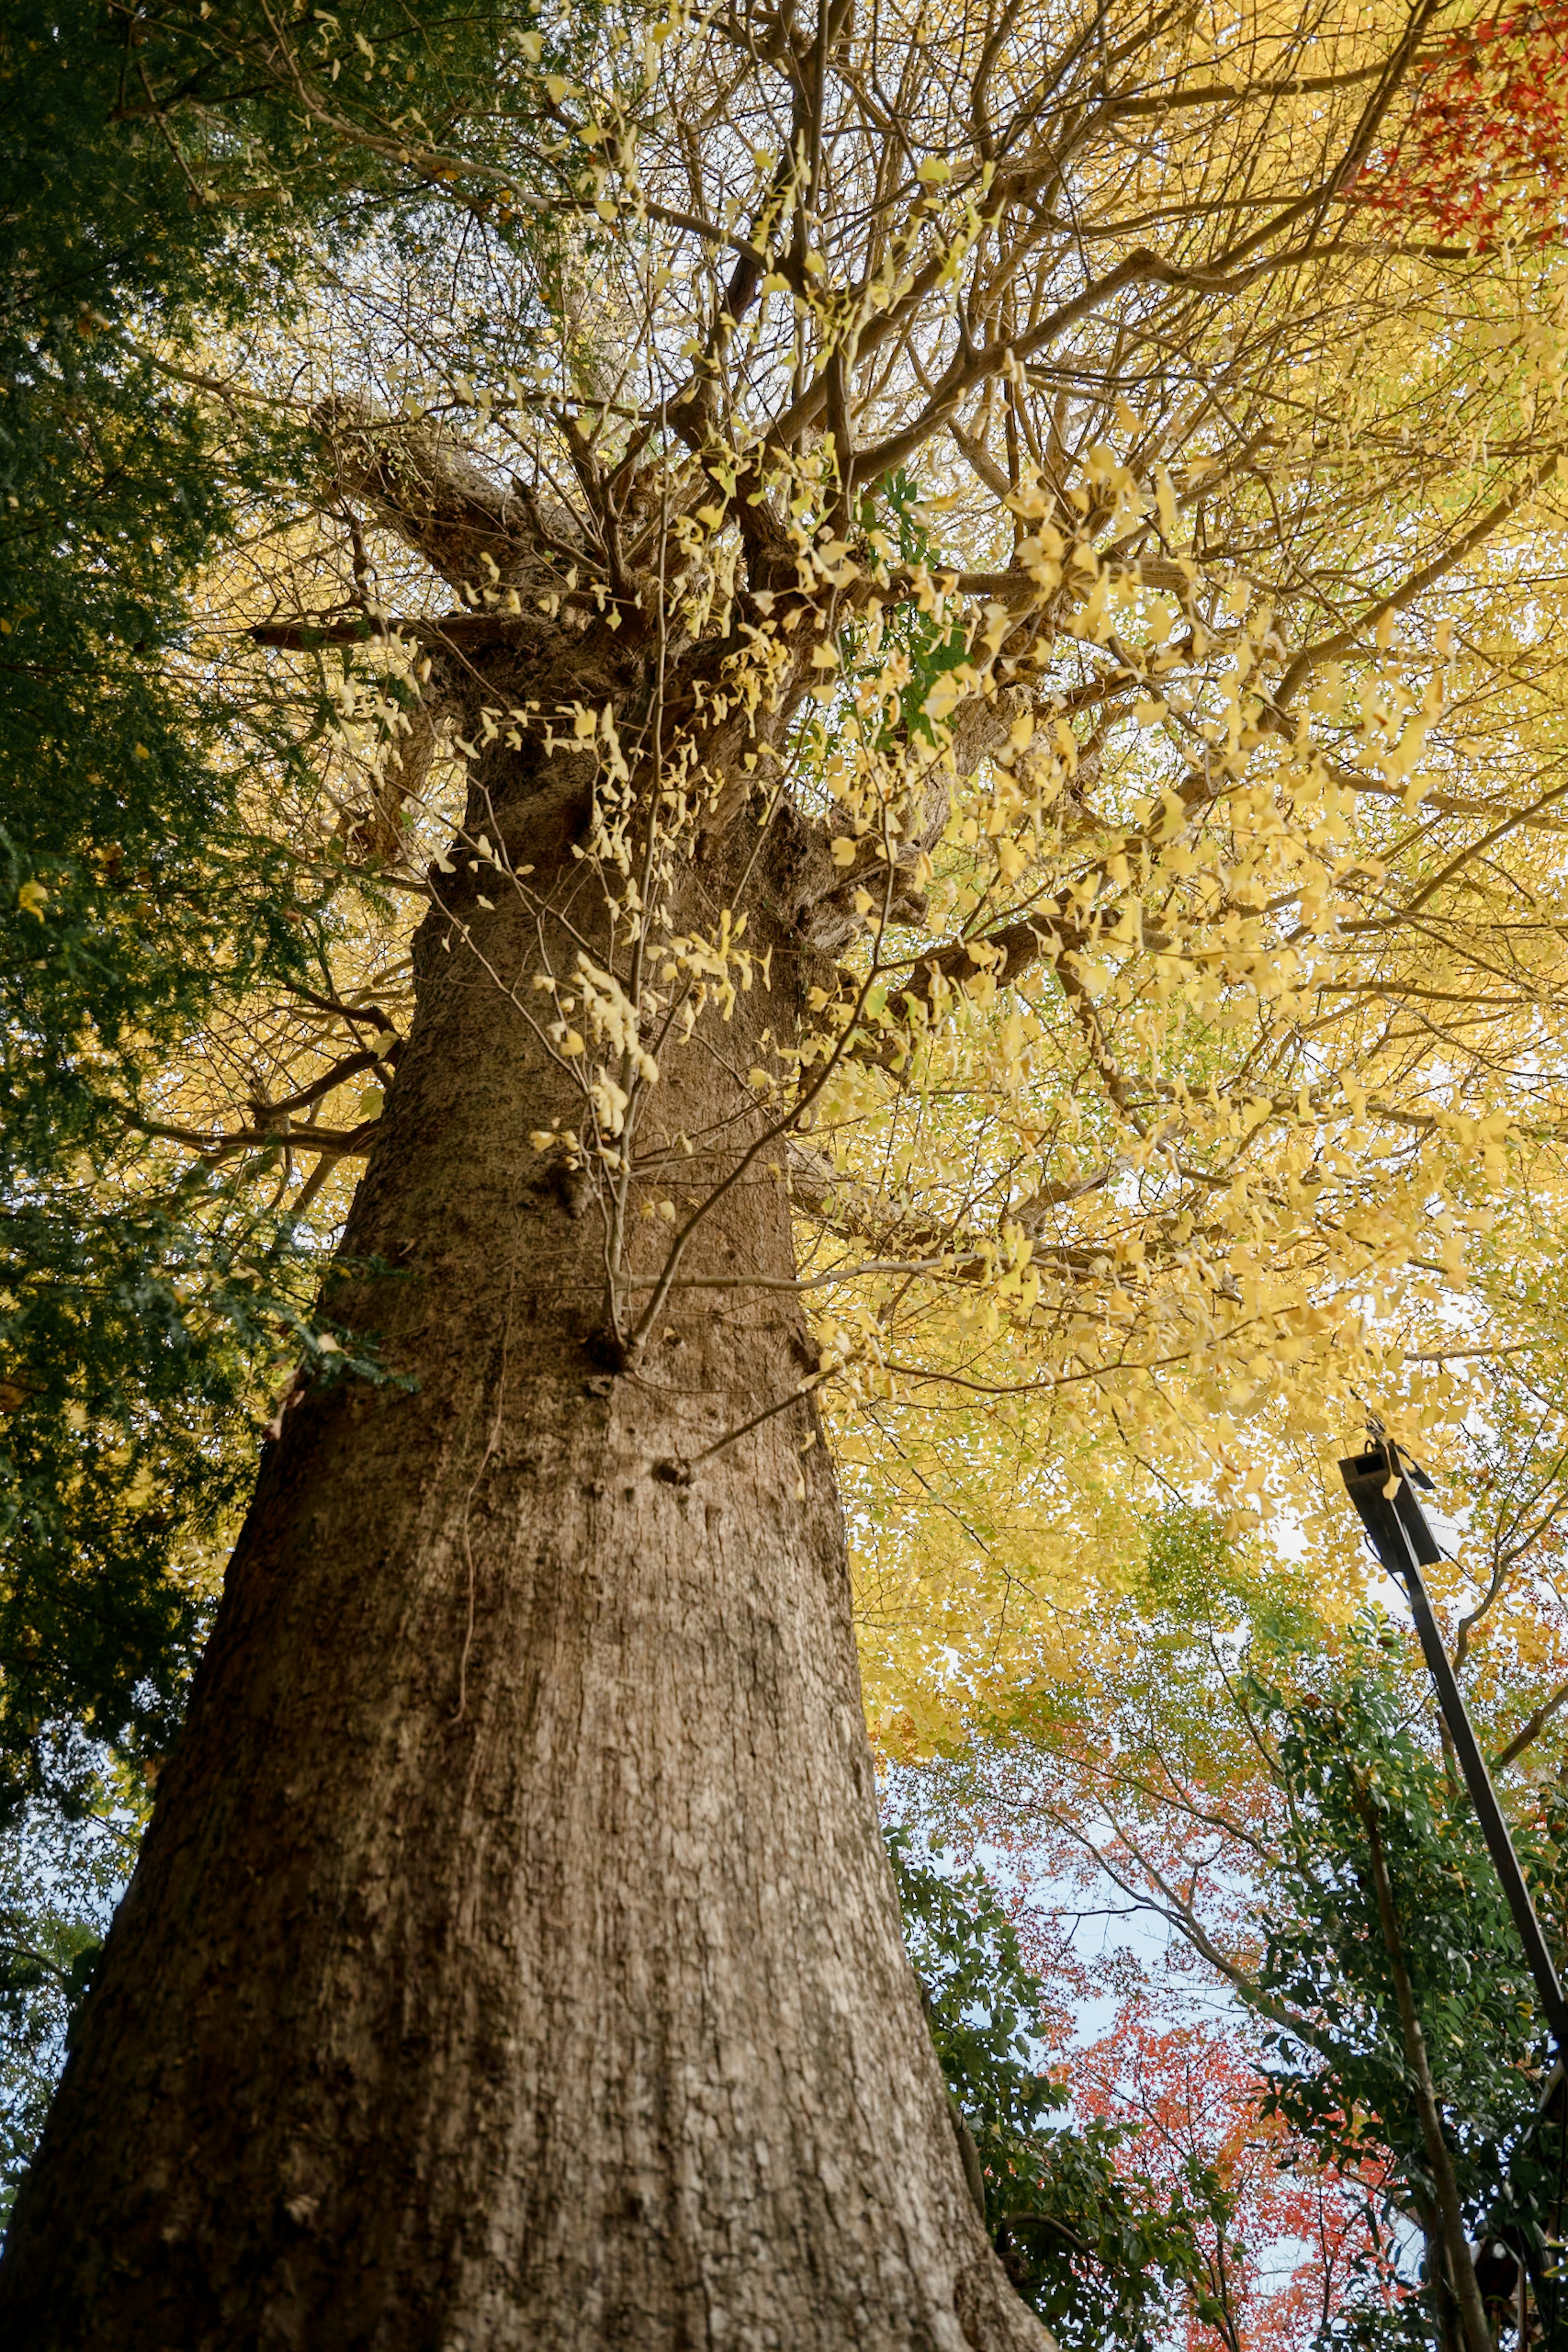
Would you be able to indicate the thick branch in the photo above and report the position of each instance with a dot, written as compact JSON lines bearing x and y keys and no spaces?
{"x":430,"y":493}
{"x":1425,"y":577}
{"x":340,"y":1143}
{"x":1531,"y":1728}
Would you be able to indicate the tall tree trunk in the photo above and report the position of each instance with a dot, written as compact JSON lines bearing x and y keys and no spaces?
{"x":1446,"y":2328}
{"x":513,"y":1960}
{"x":1461,"y":2271}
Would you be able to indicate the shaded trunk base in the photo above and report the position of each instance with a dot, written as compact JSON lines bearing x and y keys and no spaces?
{"x":578,"y":2020}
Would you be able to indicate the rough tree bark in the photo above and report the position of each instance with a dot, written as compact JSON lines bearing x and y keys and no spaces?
{"x":513,"y":1959}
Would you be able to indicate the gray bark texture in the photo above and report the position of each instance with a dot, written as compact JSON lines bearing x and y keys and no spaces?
{"x":513,"y":1960}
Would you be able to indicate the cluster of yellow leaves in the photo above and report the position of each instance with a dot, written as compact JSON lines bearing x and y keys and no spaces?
{"x":1191,"y":1081}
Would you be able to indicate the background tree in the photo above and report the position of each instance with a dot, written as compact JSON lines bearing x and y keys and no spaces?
{"x":1090,"y":2241}
{"x":130,"y":884}
{"x":148,"y":887}
{"x":876,"y":652}
{"x":1387,"y":1934}
{"x":61,"y":1873}
{"x":1481,"y":153}
{"x":1272,"y":1788}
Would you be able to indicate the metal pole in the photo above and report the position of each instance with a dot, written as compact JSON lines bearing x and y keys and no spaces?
{"x":1483,"y":1796}
{"x":1395,"y":1541}
{"x":1401,"y":1537}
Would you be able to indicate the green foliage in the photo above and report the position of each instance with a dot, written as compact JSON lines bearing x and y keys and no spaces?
{"x":1197,"y":1581}
{"x":133,"y":899}
{"x":1348,"y":1760}
{"x":931,"y":645}
{"x":156,"y":184}
{"x":1093,"y":2244}
{"x":131,"y":1450}
{"x":63,"y":1867}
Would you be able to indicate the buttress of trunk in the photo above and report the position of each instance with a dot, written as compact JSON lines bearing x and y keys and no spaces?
{"x":513,"y":1960}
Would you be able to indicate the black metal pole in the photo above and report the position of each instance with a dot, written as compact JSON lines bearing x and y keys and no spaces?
{"x":1380,"y":1487}
{"x":1483,"y":1796}
{"x":1399,"y":1533}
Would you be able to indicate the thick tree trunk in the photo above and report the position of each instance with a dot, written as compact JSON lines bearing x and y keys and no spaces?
{"x":513,"y":1960}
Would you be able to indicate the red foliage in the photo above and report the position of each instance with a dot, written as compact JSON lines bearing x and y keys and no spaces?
{"x":1483,"y":151}
{"x":1284,"y":2269}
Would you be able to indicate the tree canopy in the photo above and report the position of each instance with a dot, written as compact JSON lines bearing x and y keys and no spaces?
{"x":1087,"y":485}
{"x":1159,"y":1104}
